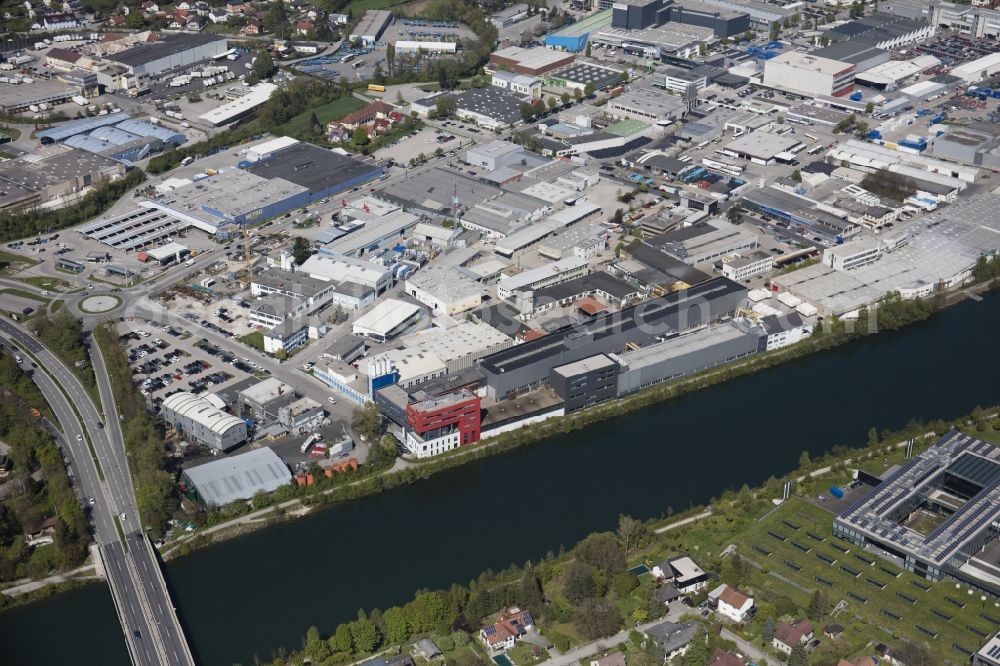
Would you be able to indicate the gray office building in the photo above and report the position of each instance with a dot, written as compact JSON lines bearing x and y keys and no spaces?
{"x":528,"y":366}
{"x":585,"y":382}
{"x":641,"y":14}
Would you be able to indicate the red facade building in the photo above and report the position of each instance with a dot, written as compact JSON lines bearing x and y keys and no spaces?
{"x":441,"y":423}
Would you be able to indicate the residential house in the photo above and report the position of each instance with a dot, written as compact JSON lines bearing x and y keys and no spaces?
{"x":682,"y":573}
{"x":117,"y":21}
{"x":674,"y":638}
{"x":667,"y":594}
{"x":509,"y":627}
{"x":149,"y":7}
{"x":238,"y":7}
{"x":254,"y":26}
{"x":733,"y":604}
{"x":202,"y":8}
{"x":337,"y":19}
{"x":833,"y":631}
{"x":787,"y":636}
{"x":428,"y":650}
{"x":722,"y":658}
{"x":194,"y":23}
{"x":613,"y":659}
{"x":184,"y":5}
{"x":368,"y":114}
{"x":218,"y":16}
{"x":304,"y":27}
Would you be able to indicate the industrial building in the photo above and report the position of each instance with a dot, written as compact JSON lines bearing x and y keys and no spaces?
{"x":493,"y":108}
{"x":236,"y":478}
{"x":260,"y":402}
{"x":680,"y":355}
{"x":543,"y":276}
{"x":581,"y":74}
{"x":54,"y":176}
{"x":574,"y":37}
{"x":863,"y":56}
{"x":234,"y":197}
{"x":885,"y":31}
{"x":239,"y":108}
{"x":321,"y":172}
{"x":533,"y":61}
{"x":670,"y":40}
{"x":386,"y":320}
{"x":705,"y":241}
{"x":343,"y":270}
{"x":604,"y":289}
{"x":450,"y":291}
{"x":648,"y":105}
{"x":810,"y":74}
{"x":149,"y":60}
{"x":586,"y":382}
{"x":440,"y":423}
{"x":371,"y":26}
{"x":763,"y":147}
{"x":198,"y":419}
{"x":641,"y":14}
{"x":936,"y":514}
{"x":978,"y":145}
{"x":457,"y":346}
{"x":527,"y":366}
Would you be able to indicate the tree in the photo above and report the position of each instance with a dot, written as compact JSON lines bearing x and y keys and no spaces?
{"x":390,"y":58}
{"x":367,"y":421}
{"x":445,"y":106}
{"x":797,"y":176}
{"x":588,"y":89}
{"x":529,"y":593}
{"x":342,"y":641}
{"x":602,"y":551}
{"x":365,"y":635}
{"x":819,"y":603}
{"x":629,"y":530}
{"x":426,"y":613}
{"x":360,"y":137}
{"x":588,"y":49}
{"x":767,"y":631}
{"x":526,"y":112}
{"x":869,"y":107}
{"x":578,"y":582}
{"x":598,"y":617}
{"x":805,"y":460}
{"x":798,"y":657}
{"x":873,"y":437}
{"x":315,"y":127}
{"x":913,"y":654}
{"x":565,"y":99}
{"x":552,"y":103}
{"x":577,"y":94}
{"x":734,"y":212}
{"x":263,"y":66}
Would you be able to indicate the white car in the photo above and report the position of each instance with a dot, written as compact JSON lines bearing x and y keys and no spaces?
{"x":123,"y":516}
{"x":332,"y":400}
{"x":79,"y":438}
{"x":44,"y":293}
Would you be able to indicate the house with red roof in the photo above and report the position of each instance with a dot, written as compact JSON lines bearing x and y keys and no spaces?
{"x":787,"y":636}
{"x":254,"y":26}
{"x":368,"y":114}
{"x":722,"y":658}
{"x":509,"y":627}
{"x":732,"y":604}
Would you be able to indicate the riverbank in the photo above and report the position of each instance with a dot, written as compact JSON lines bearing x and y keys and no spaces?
{"x":829,"y":335}
{"x":565,"y":593}
{"x":266,"y":587}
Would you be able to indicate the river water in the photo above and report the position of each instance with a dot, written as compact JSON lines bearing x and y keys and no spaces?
{"x":251,"y":595}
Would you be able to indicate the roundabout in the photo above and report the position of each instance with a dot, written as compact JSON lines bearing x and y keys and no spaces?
{"x":99,"y":303}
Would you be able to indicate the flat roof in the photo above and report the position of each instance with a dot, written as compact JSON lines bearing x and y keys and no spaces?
{"x":170,"y":44}
{"x":762,"y":144}
{"x":239,"y":477}
{"x":809,"y":62}
{"x":448,"y":284}
{"x":589,"y":283}
{"x":492,"y":102}
{"x":235,"y":109}
{"x":588,"y":364}
{"x":314,"y":168}
{"x":372,"y":23}
{"x":529,"y":277}
{"x":267,"y":390}
{"x":586,"y":25}
{"x":296,"y":283}
{"x":229,"y":194}
{"x":537,"y":57}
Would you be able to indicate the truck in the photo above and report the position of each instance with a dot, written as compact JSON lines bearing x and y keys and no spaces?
{"x":79,"y":100}
{"x":21,"y":60}
{"x":6,"y":66}
{"x":232,"y":56}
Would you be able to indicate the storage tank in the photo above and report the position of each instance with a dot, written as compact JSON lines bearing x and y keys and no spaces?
{"x":837,"y":492}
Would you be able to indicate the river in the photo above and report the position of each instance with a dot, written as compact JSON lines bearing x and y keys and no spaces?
{"x":249,"y":596}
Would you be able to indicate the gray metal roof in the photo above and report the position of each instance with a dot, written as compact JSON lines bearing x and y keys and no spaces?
{"x":239,"y":477}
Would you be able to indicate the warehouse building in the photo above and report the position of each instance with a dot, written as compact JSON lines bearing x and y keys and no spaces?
{"x":705,"y":241}
{"x":198,"y":419}
{"x":234,"y":197}
{"x":641,"y":14}
{"x":527,"y":366}
{"x":239,"y":108}
{"x":236,"y":478}
{"x":608,"y":291}
{"x":648,"y":105}
{"x":809,"y":74}
{"x":671,"y":40}
{"x":976,"y":145}
{"x":581,"y":74}
{"x":863,"y":56}
{"x":54,"y":176}
{"x":321,"y":172}
{"x":450,"y":291}
{"x":574,"y":37}
{"x":59,"y":133}
{"x":936,"y":514}
{"x":149,"y":60}
{"x":493,"y":108}
{"x":340,"y":269}
{"x":894,"y":72}
{"x":260,"y":402}
{"x":371,"y":26}
{"x":885,"y":31}
{"x":533,"y":61}
{"x":386,"y":320}
{"x":682,"y":355}
{"x":764,"y":148}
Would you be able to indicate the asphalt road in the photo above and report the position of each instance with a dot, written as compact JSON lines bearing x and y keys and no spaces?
{"x":152,"y":630}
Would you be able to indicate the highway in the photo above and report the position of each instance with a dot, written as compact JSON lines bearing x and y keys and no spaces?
{"x":152,"y":630}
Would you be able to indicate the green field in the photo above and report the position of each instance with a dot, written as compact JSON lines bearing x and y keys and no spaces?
{"x":334,"y":110}
{"x":8,"y":258}
{"x":255,"y":340}
{"x":792,"y":542}
{"x":45,"y":282}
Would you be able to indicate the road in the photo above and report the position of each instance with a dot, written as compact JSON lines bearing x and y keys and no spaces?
{"x":152,"y":631}
{"x":571,"y":657}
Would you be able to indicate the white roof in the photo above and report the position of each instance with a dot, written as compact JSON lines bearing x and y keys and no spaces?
{"x":809,"y":62}
{"x":165,"y":251}
{"x":686,"y":568}
{"x":274,"y":145}
{"x":266,"y":390}
{"x":226,"y":113}
{"x":385,"y":316}
{"x":973,"y":70}
{"x":534,"y":275}
{"x":239,"y":477}
{"x":201,"y":411}
{"x":338,"y":268}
